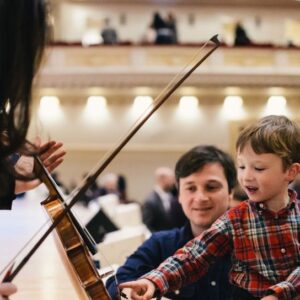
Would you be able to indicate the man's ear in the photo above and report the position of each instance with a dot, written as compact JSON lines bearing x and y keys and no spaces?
{"x":230,"y":198}
{"x":293,"y":171}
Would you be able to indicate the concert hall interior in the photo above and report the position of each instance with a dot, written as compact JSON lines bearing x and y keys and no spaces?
{"x":105,"y":66}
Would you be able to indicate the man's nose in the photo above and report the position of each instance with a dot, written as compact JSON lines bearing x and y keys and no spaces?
{"x":202,"y":195}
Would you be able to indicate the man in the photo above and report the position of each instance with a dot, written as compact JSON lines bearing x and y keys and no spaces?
{"x":205,"y":177}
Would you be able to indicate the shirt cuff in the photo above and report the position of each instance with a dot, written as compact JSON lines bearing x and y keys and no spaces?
{"x":158,"y":280}
{"x":283,"y":290}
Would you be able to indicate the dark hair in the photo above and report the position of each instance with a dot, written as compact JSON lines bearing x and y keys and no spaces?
{"x":196,"y":158}
{"x":239,"y":194}
{"x":22,"y":37}
{"x":273,"y":134}
{"x":158,"y":22}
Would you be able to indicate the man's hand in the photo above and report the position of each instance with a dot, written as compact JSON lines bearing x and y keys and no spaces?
{"x":141,"y":289}
{"x":51,"y":155}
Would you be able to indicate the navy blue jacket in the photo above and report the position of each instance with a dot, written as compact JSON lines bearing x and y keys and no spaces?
{"x":213,"y":286}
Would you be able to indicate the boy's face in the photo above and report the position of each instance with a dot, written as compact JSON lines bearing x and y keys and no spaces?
{"x":263,"y":177}
{"x":204,"y":196}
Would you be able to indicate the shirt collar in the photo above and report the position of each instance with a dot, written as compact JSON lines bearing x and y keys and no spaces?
{"x":260,"y":206}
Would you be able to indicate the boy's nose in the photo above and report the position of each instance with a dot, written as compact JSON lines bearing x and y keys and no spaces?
{"x":248,"y":175}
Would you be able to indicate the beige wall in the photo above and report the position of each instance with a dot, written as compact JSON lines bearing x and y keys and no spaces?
{"x":163,"y":139}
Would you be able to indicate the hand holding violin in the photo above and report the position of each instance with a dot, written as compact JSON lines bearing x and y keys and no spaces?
{"x":51,"y":155}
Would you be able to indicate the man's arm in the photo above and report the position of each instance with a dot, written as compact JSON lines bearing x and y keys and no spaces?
{"x":188,"y":264}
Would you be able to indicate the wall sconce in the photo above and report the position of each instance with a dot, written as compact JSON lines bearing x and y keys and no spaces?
{"x":141,"y":103}
{"x":50,"y":108}
{"x":233,"y":107}
{"x":276,"y":105}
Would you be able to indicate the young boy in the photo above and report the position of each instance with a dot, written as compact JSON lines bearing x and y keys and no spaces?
{"x":262,"y":233}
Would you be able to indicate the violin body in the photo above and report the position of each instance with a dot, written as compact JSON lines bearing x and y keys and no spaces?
{"x":78,"y":255}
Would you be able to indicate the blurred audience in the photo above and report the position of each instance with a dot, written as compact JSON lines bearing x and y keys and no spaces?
{"x":58,"y":181}
{"x":109,"y":184}
{"x":93,"y":192}
{"x":108,"y":33}
{"x":161,"y":209}
{"x":241,"y":36}
{"x":172,"y":24}
{"x":122,"y":189}
{"x":164,"y":34}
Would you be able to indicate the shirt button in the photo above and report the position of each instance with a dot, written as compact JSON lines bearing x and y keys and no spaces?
{"x":282,"y":250}
{"x":261,"y":205}
{"x":213,"y":283}
{"x":177,"y":292}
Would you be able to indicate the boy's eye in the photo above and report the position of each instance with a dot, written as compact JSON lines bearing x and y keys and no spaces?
{"x":259,"y":169}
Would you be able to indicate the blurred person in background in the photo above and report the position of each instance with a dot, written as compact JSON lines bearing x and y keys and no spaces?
{"x":161,"y":209}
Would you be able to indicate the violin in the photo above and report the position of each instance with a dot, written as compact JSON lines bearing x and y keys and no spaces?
{"x":76,"y":242}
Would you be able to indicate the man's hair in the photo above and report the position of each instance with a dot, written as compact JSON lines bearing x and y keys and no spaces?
{"x":273,"y":134}
{"x":196,"y":158}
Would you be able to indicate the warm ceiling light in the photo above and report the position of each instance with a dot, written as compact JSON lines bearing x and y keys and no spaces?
{"x":95,"y":103}
{"x":50,"y":108}
{"x":49,"y":103}
{"x":233,"y":101}
{"x":233,"y":108}
{"x":142,"y":102}
{"x":188,"y":102}
{"x":276,"y":105}
{"x":277,"y":100}
{"x":95,"y":110}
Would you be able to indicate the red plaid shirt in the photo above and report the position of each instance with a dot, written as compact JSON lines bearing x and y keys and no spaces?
{"x":265,"y":251}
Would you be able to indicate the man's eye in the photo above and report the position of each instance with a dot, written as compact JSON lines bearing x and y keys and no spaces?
{"x":191,"y":189}
{"x":213,"y":187}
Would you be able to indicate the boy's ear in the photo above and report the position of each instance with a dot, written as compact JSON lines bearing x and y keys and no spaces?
{"x":293,"y":171}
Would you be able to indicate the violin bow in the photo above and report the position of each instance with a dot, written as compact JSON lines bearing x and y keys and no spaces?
{"x":92,"y":178}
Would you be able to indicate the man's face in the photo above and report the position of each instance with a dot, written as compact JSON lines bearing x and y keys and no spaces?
{"x":204,"y":196}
